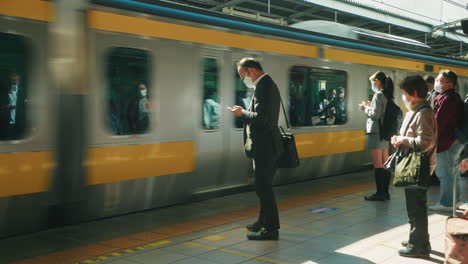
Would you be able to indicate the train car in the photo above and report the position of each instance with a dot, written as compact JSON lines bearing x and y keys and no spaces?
{"x":155,"y":131}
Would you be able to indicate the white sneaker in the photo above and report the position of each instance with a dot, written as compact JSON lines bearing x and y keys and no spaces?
{"x":440,"y":208}
{"x":462,"y":206}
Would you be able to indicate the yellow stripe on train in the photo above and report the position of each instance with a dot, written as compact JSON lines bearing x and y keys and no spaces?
{"x":147,"y":27}
{"x":31,"y":9}
{"x":121,"y":163}
{"x":329,"y":143}
{"x":22,"y":173}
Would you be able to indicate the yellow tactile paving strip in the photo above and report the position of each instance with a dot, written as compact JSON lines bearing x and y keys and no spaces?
{"x":97,"y":252}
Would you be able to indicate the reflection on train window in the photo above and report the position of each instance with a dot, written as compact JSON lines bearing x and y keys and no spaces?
{"x":14,"y":61}
{"x":243,"y":96}
{"x":128,"y":96}
{"x":210,"y":94}
{"x":464,"y":91}
{"x":317,"y":96}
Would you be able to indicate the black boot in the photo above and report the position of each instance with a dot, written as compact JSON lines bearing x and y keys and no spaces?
{"x":418,"y":245}
{"x":379,"y":184}
{"x":386,"y":183}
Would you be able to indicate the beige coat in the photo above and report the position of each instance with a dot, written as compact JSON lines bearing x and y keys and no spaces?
{"x":422,"y":132}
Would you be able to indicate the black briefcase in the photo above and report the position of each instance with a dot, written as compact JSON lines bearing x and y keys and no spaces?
{"x":289,"y":157}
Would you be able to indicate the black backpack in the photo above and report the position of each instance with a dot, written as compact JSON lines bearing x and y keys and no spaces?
{"x":392,"y":120}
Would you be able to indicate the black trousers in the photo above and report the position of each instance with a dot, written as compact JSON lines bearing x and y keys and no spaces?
{"x":264,"y":172}
{"x":416,"y":198}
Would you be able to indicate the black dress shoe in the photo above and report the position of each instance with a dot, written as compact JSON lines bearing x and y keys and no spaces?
{"x":263,"y":234}
{"x":375,"y":197}
{"x":412,"y":253}
{"x":255,"y":227}
{"x":387,"y":196}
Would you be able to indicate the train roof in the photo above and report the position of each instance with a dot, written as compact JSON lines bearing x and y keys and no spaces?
{"x":197,"y":15}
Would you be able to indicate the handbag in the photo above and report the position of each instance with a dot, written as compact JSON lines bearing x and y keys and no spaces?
{"x":412,"y":167}
{"x":289,"y":157}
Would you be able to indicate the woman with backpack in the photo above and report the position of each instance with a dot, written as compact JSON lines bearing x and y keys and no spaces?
{"x":382,"y":86}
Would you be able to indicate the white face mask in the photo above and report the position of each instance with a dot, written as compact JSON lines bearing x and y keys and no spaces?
{"x":405,"y":100}
{"x":248,"y":82}
{"x":375,"y":89}
{"x":143,"y":92}
{"x":438,"y":87}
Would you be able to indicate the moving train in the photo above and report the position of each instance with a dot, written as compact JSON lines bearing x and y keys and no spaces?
{"x":80,"y":152}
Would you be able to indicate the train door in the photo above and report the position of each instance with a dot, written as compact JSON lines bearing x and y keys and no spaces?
{"x":211,"y":148}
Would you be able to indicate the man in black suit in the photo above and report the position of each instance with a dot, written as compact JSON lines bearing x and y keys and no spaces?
{"x":12,"y":108}
{"x":262,"y":143}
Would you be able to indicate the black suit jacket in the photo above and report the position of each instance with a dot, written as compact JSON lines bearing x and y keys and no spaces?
{"x":262,"y":137}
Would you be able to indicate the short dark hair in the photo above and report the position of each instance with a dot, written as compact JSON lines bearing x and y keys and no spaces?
{"x":429,"y":79}
{"x":250,"y":63}
{"x":414,"y":83}
{"x":450,"y":75}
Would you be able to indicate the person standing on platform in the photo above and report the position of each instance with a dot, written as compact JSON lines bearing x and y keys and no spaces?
{"x":418,"y":131}
{"x":448,"y":108}
{"x":382,"y":86}
{"x":431,"y":93}
{"x":262,"y":143}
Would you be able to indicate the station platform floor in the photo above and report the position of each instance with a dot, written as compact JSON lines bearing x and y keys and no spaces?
{"x":323,"y":221}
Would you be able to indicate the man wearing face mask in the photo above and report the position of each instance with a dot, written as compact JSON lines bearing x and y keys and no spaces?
{"x":262,"y":143}
{"x":448,"y":109}
{"x":139,"y":111}
{"x":431,"y":93}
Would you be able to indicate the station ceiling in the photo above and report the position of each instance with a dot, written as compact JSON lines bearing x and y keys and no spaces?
{"x":445,"y":40}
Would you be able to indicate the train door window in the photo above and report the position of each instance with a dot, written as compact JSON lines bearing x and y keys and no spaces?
{"x":14,"y":60}
{"x":129,"y":107}
{"x":211,"y":107}
{"x":317,"y":96}
{"x":243,"y":96}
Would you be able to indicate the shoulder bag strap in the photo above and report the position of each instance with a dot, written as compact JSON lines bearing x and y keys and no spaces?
{"x":284,"y":112}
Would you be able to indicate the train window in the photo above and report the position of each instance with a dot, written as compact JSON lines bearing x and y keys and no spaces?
{"x":128,"y":94}
{"x":210,"y":119}
{"x":243,"y":96}
{"x":14,"y":61}
{"x":317,"y":96}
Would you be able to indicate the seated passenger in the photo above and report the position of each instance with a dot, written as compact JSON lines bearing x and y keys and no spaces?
{"x":336,"y":108}
{"x":418,"y":131}
{"x":139,"y":112}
